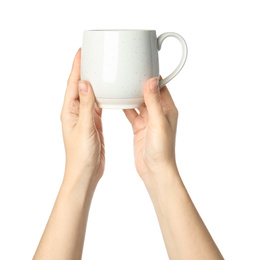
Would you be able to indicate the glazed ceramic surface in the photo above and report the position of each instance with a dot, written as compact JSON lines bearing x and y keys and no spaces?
{"x":117,"y":63}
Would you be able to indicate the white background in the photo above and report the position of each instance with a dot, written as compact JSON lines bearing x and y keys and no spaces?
{"x":215,"y":141}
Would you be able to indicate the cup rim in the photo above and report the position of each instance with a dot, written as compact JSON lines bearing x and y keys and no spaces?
{"x":120,"y":30}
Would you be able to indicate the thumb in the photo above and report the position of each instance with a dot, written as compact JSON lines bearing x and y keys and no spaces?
{"x":152,"y":98}
{"x":87,"y":103}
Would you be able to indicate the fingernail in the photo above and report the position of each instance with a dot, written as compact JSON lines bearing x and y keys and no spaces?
{"x":154,"y":84}
{"x":83,"y":86}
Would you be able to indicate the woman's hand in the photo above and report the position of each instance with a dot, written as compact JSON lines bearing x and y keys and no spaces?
{"x":63,"y":236}
{"x":154,"y":130}
{"x":184,"y":233}
{"x":82,"y":129}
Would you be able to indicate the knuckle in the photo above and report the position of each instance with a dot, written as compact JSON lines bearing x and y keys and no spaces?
{"x":86,"y":127}
{"x":156,"y":98}
{"x":71,"y":81}
{"x":84,"y":101}
{"x":171,"y":109}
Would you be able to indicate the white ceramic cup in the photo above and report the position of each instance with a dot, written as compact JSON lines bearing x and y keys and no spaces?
{"x":117,"y":63}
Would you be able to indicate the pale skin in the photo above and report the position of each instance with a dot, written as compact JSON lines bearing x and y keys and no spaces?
{"x":154,"y":127}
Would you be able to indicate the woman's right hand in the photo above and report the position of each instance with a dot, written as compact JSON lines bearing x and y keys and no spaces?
{"x":185,"y":235}
{"x":154,"y":131}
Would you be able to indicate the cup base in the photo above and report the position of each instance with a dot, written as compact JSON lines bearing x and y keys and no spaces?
{"x":119,"y":103}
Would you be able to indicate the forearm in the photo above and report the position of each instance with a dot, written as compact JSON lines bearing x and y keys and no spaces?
{"x":185,"y":235}
{"x":63,"y":237}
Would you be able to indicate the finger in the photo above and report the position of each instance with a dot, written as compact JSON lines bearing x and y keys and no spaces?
{"x":72,"y":92}
{"x":142,"y":108}
{"x":143,"y":111}
{"x":98,"y":110}
{"x":168,"y":105}
{"x":166,"y":99}
{"x":87,"y":104}
{"x":131,"y":115}
{"x":152,"y":99}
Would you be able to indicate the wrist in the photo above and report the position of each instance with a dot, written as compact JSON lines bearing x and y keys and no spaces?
{"x":164,"y":189}
{"x":164,"y":177}
{"x":78,"y":179}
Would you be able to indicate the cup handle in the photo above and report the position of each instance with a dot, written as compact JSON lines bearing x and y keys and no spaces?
{"x":160,"y":40}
